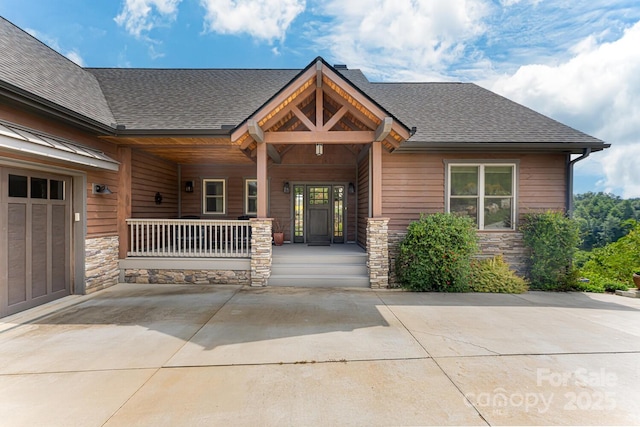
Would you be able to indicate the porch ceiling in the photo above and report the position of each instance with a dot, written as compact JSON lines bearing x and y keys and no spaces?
{"x":187,"y":150}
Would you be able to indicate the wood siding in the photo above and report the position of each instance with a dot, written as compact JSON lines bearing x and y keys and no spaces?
{"x":151,"y":175}
{"x":363,"y":200}
{"x":299,"y":165}
{"x":414,"y":183}
{"x":101,"y":209}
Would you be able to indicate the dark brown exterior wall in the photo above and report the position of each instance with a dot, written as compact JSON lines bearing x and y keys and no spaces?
{"x":363,"y":200}
{"x":151,"y":175}
{"x":299,"y":165}
{"x":101,"y":210}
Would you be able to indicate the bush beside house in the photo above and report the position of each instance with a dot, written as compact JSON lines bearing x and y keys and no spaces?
{"x":435,"y":255}
{"x":552,"y":238}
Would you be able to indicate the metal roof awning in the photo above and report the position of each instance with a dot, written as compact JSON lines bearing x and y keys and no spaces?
{"x":28,"y":141}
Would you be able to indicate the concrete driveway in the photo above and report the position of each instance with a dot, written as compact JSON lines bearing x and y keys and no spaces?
{"x":172,"y":355}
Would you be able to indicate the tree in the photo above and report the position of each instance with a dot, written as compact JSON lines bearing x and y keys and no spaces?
{"x":603,"y":218}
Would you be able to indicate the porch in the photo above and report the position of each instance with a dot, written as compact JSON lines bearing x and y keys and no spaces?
{"x":307,"y":162}
{"x":241,"y":252}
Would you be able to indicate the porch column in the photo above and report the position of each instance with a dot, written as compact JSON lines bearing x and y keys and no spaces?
{"x":376,"y":179}
{"x":260,"y":250}
{"x":261,"y":176}
{"x":124,"y":200}
{"x":378,"y":252}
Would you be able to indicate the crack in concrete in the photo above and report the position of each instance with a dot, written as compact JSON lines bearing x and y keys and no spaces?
{"x":458,"y":340}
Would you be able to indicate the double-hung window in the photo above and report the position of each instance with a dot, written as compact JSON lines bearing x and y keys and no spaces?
{"x":483,"y":191}
{"x":251,"y":197}
{"x":214,"y":196}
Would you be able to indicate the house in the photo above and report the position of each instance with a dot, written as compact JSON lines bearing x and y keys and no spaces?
{"x":178,"y":175}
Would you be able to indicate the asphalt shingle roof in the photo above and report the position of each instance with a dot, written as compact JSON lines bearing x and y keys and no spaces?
{"x":30,"y":66}
{"x":208,"y":99}
{"x":466,"y":112}
{"x":156,"y":99}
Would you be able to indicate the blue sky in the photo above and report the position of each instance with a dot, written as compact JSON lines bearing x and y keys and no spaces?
{"x":575,"y":61}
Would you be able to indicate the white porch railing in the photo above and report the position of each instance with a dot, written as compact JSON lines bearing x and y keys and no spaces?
{"x":189,"y":238}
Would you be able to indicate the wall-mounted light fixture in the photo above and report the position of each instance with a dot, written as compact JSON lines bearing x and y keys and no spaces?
{"x":188,"y":187}
{"x":319,"y":149}
{"x":100,"y":189}
{"x":352,"y":188}
{"x":286,"y":188}
{"x":158,"y":198}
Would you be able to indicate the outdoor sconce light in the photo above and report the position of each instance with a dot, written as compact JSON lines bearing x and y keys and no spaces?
{"x":352,"y":188}
{"x":285,"y":188}
{"x":101,"y":189}
{"x":158,"y":198}
{"x":188,"y":187}
{"x":319,"y":149}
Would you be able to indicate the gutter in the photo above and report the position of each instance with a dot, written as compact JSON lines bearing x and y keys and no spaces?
{"x":569,"y":204}
{"x":41,"y":105}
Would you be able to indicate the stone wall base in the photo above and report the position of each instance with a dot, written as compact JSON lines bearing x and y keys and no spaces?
{"x":198,"y":277}
{"x":101,"y":263}
{"x":508,"y":244}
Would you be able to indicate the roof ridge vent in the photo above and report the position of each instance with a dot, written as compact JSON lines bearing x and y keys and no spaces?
{"x":340,"y":66}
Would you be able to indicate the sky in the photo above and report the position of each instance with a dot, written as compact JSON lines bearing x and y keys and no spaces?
{"x":576,"y":61}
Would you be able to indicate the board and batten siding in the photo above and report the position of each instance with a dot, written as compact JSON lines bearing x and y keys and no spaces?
{"x":414,"y":183}
{"x":151,"y":175}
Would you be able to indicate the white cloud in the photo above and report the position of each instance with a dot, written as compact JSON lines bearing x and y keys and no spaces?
{"x":262,"y":19}
{"x":53,"y":43}
{"x":75,"y":57}
{"x":400,"y":39}
{"x":139,"y":17}
{"x":596,"y":91}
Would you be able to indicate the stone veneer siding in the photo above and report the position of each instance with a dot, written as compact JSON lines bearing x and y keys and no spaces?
{"x":261,"y":251}
{"x":101,"y":263}
{"x":198,"y":277}
{"x":378,"y":252}
{"x":509,"y":244}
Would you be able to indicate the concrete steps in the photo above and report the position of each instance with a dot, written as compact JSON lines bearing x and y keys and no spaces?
{"x":319,"y":267}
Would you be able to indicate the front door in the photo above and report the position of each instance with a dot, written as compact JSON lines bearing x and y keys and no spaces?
{"x":319,"y":214}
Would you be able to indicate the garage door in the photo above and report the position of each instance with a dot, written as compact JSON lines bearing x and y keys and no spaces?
{"x":35,"y":244}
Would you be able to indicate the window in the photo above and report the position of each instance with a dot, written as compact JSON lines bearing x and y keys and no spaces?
{"x":251,"y":197}
{"x":41,"y":188}
{"x":213,"y":196}
{"x":485,"y":192}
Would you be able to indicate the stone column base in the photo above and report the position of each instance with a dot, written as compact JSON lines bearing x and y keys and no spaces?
{"x":378,"y":252}
{"x":260,"y":251}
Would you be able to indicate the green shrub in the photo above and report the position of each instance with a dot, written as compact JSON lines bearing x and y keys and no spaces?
{"x":552,"y":238}
{"x":494,"y":275}
{"x":436,"y":253}
{"x":600,"y":284}
{"x":616,"y":261}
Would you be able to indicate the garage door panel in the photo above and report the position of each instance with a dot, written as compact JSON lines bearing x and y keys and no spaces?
{"x":35,"y":251}
{"x":59,"y":242}
{"x":38,"y":251}
{"x":16,"y":252}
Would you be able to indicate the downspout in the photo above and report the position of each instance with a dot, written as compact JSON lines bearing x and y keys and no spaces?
{"x":585,"y":154}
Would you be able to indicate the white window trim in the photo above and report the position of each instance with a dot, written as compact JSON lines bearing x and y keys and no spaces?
{"x":481,"y":196}
{"x":204,"y":196}
{"x":246,"y":196}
